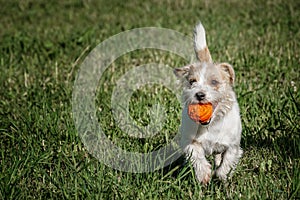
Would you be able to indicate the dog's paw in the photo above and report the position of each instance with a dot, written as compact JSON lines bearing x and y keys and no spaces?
{"x":206,"y":178}
{"x":221,"y":175}
{"x":203,"y":174}
{"x":218,"y":159}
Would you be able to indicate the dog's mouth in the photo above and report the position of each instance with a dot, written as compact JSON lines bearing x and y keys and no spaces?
{"x":205,"y":123}
{"x":201,"y":113}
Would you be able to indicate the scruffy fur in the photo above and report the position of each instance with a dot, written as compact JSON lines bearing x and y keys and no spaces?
{"x":207,"y":81}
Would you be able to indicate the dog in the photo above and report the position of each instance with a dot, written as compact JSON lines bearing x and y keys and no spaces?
{"x":209,"y":82}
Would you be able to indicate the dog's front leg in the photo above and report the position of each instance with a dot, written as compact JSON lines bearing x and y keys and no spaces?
{"x":201,"y":165}
{"x":230,"y":159}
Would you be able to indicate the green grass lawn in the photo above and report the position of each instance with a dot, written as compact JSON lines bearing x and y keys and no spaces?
{"x":43,"y":43}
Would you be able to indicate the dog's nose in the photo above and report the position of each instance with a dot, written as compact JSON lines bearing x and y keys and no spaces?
{"x":200,"y":96}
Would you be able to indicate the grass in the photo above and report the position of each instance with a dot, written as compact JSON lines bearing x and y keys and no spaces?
{"x":42,"y":46}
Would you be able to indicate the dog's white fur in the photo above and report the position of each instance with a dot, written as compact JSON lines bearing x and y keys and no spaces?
{"x":199,"y":38}
{"x":221,"y":137}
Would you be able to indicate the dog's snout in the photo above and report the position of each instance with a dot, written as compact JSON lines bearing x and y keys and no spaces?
{"x":200,"y":96}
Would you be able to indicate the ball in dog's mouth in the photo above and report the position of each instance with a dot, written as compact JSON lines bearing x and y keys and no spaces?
{"x":200,"y":112}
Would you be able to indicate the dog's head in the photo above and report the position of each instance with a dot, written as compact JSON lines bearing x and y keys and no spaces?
{"x":206,"y":82}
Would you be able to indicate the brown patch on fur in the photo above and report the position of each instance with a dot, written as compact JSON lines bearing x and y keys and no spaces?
{"x":181,"y":72}
{"x":192,"y":76}
{"x":204,"y":55}
{"x":195,"y":142}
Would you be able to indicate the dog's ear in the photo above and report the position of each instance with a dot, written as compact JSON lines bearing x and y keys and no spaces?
{"x":200,"y":45}
{"x":229,"y":72}
{"x":182,"y":71}
{"x":203,"y":55}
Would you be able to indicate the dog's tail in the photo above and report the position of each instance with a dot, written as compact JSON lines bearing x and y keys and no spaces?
{"x":200,"y":45}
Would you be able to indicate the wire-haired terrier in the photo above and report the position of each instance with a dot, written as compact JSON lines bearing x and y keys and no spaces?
{"x":210,"y":82}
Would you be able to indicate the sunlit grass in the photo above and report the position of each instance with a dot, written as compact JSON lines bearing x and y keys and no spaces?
{"x":42,"y":46}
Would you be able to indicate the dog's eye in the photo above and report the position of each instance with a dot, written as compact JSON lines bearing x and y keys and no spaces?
{"x":214,"y":82}
{"x":191,"y":81}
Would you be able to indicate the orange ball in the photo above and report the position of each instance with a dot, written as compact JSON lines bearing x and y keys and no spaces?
{"x":200,"y":112}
